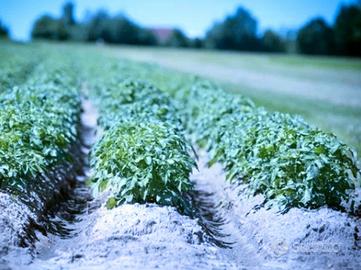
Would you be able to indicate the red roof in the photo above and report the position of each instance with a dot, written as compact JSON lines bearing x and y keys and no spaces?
{"x":162,"y":34}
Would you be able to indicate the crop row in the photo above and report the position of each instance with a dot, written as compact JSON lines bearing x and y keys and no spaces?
{"x":38,"y":132}
{"x":143,"y":155}
{"x":290,"y":162}
{"x":278,"y":155}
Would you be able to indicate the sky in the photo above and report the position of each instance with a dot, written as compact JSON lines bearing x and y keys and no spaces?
{"x":193,"y":16}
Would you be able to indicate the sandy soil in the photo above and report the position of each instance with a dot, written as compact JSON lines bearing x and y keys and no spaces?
{"x":14,"y":222}
{"x":135,"y":236}
{"x":299,"y":239}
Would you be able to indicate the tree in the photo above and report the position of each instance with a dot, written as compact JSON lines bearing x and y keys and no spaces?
{"x":47,"y":27}
{"x":177,"y":39}
{"x":68,"y":14}
{"x":118,"y":29}
{"x":236,"y":32}
{"x":272,"y":42}
{"x":197,"y":43}
{"x":64,"y":28}
{"x":146,"y":37}
{"x":4,"y":31}
{"x":347,"y":30}
{"x":96,"y":26}
{"x":316,"y":37}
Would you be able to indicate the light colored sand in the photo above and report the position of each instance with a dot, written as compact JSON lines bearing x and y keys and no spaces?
{"x":132,"y":237}
{"x":298,"y":239}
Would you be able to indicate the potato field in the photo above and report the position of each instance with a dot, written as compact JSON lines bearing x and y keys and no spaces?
{"x":106,"y":163}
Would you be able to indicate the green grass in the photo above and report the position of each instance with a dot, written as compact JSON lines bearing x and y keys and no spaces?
{"x":318,"y":61}
{"x":227,"y":57}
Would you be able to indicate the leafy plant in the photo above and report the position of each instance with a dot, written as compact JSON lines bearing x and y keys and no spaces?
{"x":143,"y":155}
{"x":126,"y":99}
{"x":38,"y":128}
{"x":143,"y":162}
{"x":277,"y":155}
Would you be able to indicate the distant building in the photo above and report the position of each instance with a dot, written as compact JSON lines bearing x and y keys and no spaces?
{"x":161,"y":33}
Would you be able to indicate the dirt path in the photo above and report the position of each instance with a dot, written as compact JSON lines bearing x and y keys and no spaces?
{"x":211,"y":181}
{"x":264,"y":238}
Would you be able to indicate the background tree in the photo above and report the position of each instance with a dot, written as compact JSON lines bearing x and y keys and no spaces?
{"x":47,"y":27}
{"x":272,"y":42}
{"x":118,"y":29}
{"x":316,"y":37}
{"x":236,"y":32}
{"x":197,"y":43}
{"x":146,"y":37}
{"x":4,"y":31}
{"x":95,"y":26}
{"x":178,"y":39}
{"x":347,"y":30}
{"x":68,"y":14}
{"x":68,"y":20}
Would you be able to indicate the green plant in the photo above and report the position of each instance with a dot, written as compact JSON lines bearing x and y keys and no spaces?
{"x":143,"y":155}
{"x":143,"y":162}
{"x":275,"y":154}
{"x":38,"y":129}
{"x":278,"y":155}
{"x":126,"y":99}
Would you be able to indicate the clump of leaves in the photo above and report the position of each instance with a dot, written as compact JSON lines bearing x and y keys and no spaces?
{"x":206,"y":105}
{"x":142,"y":111}
{"x":285,"y":159}
{"x":38,"y":126}
{"x":277,"y":155}
{"x":125,"y":99}
{"x":143,"y":162}
{"x":143,"y":156}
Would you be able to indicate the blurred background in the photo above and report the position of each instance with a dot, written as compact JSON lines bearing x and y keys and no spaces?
{"x":299,"y":57}
{"x":323,"y":27}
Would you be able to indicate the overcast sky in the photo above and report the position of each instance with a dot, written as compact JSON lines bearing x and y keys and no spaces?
{"x":193,"y":16}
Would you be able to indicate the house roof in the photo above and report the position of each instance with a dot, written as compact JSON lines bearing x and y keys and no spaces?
{"x":162,"y":33}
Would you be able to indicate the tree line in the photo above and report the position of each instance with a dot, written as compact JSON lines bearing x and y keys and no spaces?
{"x":4,"y":31}
{"x":343,"y":37}
{"x":98,"y":26}
{"x":237,"y":31}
